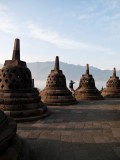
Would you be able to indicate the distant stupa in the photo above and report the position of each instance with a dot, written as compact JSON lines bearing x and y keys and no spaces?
{"x":112,"y":89}
{"x":56,"y":91}
{"x":18,"y":97}
{"x":87,"y":89}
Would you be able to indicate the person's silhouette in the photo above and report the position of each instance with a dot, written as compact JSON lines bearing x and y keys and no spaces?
{"x":71,"y":85}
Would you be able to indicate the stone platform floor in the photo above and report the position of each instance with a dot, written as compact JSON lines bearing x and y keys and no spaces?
{"x":87,"y":131}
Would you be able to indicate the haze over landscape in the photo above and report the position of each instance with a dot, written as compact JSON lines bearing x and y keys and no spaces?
{"x":40,"y":71}
{"x":79,"y":32}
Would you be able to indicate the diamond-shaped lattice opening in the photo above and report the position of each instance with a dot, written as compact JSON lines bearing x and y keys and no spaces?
{"x":7,"y":70}
{"x":6,"y":80}
{"x":4,"y":75}
{"x":2,"y":86}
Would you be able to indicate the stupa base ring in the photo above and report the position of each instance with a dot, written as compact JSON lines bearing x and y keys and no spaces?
{"x":30,"y":114}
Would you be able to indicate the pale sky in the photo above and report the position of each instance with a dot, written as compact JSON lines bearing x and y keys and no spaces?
{"x":78,"y":31}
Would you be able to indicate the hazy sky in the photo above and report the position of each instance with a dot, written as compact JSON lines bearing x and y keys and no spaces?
{"x":79,"y":31}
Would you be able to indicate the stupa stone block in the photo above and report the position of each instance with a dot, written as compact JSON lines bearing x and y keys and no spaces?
{"x":11,"y":146}
{"x":112,"y":89}
{"x":56,"y":91}
{"x":18,"y":96}
{"x":87,"y":89}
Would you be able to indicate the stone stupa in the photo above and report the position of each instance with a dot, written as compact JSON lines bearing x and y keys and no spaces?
{"x":18,"y":96}
{"x":12,"y":147}
{"x":112,"y":89}
{"x":56,"y":91}
{"x":87,"y":89}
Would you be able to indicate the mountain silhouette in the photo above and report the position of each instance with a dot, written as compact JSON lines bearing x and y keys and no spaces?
{"x":40,"y":71}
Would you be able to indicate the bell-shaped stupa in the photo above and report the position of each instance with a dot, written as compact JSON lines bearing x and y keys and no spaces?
{"x":7,"y":132}
{"x":112,"y":89}
{"x":11,"y":146}
{"x":87,"y":89}
{"x":56,"y":91}
{"x":18,"y":97}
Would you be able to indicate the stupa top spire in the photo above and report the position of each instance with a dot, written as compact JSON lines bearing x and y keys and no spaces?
{"x":114,"y":72}
{"x":16,"y":50}
{"x":56,"y":67}
{"x":87,"y":69}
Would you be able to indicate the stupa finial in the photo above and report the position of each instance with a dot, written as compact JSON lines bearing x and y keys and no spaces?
{"x":87,"y":69}
{"x":16,"y":50}
{"x":114,"y":72}
{"x":56,"y":63}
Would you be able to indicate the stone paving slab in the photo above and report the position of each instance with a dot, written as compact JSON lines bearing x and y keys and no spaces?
{"x":89,"y":130}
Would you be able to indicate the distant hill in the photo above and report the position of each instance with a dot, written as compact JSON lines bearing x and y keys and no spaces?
{"x":40,"y":71}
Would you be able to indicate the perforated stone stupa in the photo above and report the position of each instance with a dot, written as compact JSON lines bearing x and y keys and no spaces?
{"x":56,"y":91}
{"x":87,"y":89}
{"x":18,"y":97}
{"x":112,"y":89}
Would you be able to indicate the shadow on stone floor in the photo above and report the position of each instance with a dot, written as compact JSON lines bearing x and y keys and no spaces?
{"x":45,"y":149}
{"x":110,"y":101}
{"x":100,"y":102}
{"x":64,"y":115}
{"x":75,"y":115}
{"x":80,"y":132}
